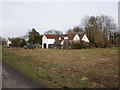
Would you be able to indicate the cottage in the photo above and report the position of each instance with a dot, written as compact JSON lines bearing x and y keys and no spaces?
{"x":8,"y":43}
{"x":57,"y":41}
{"x":47,"y":40}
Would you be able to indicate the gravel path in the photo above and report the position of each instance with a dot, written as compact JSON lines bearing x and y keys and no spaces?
{"x":14,"y":79}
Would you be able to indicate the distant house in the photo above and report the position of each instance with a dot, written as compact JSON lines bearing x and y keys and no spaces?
{"x":8,"y":43}
{"x":54,"y":41}
{"x":48,"y":40}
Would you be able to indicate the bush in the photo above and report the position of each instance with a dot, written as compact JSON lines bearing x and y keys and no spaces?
{"x":88,"y":45}
{"x":38,"y":45}
{"x":67,"y":44}
{"x":18,"y":42}
{"x":77,"y":45}
{"x":81,"y":45}
{"x":99,"y":39}
{"x":22,"y":43}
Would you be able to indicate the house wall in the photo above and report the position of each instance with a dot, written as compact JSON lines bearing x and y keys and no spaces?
{"x":62,"y":42}
{"x":47,"y":41}
{"x":85,"y":38}
{"x":8,"y":43}
{"x":76,"y":38}
{"x":50,"y":41}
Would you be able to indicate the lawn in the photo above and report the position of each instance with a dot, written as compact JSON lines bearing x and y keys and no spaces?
{"x":91,"y":68}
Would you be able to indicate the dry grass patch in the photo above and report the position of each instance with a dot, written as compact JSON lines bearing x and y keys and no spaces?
{"x":67,"y":68}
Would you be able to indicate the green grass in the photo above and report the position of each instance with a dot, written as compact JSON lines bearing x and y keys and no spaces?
{"x":95,"y":68}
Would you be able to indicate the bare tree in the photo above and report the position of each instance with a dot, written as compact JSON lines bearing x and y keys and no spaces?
{"x":53,"y":32}
{"x":106,"y":23}
{"x":103,"y":22}
{"x":76,"y":29}
{"x":24,"y":36}
{"x":2,"y":41}
{"x":69,"y":31}
{"x":98,"y":28}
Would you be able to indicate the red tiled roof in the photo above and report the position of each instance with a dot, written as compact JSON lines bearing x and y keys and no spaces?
{"x":51,"y":36}
{"x":57,"y":41}
{"x":70,"y":36}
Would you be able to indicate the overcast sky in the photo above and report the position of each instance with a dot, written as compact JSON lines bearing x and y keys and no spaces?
{"x":19,"y":18}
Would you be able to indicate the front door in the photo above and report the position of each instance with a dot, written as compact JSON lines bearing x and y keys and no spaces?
{"x":44,"y":45}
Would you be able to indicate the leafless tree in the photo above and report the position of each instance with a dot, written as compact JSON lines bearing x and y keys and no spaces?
{"x":53,"y":32}
{"x":98,"y":29}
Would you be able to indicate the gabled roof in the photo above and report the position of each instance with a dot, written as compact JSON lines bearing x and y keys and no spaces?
{"x":56,"y":37}
{"x":71,"y":36}
{"x":81,"y":35}
{"x":51,"y":36}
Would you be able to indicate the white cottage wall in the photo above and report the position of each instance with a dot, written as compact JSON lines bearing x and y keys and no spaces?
{"x":85,"y":38}
{"x":47,"y":41}
{"x":8,"y":43}
{"x":50,"y":41}
{"x":76,"y":38}
{"x":44,"y":40}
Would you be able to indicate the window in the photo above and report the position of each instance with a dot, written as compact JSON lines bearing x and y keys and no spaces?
{"x":59,"y":38}
{"x":65,"y":37}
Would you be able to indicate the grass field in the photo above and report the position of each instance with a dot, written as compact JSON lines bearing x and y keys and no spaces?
{"x":89,"y":68}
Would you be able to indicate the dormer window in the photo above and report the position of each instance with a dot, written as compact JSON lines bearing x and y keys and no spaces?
{"x":65,"y":37}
